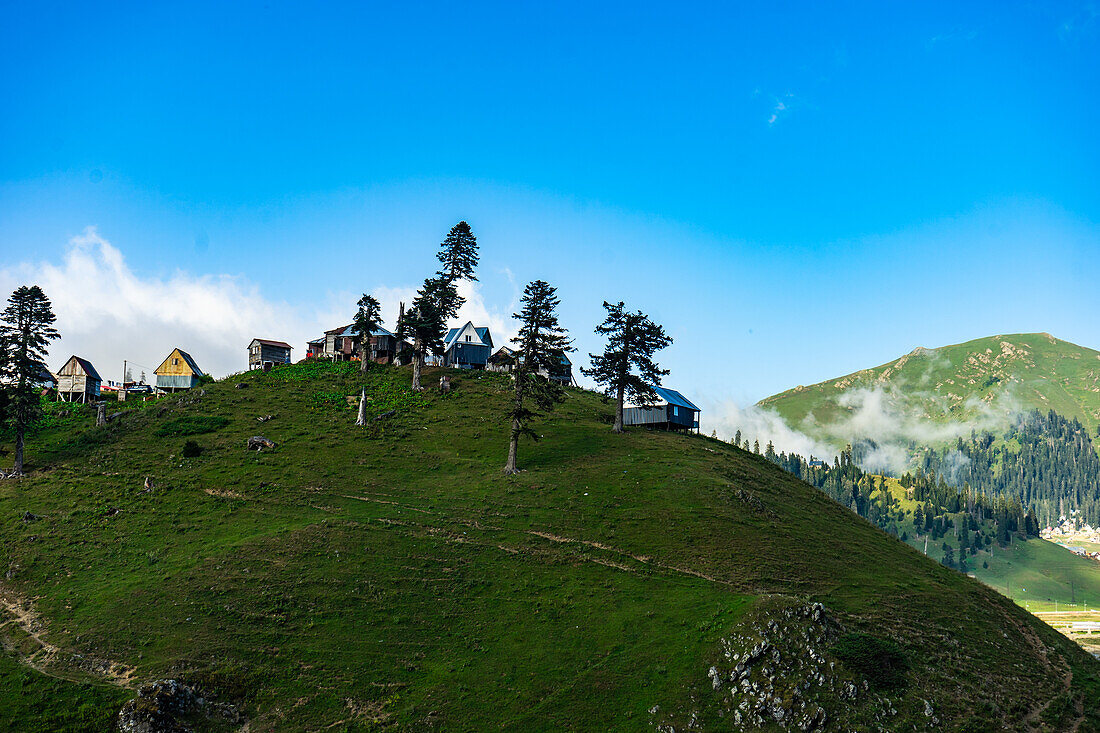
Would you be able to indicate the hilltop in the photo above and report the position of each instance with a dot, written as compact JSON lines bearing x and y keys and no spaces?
{"x":390,"y":578}
{"x":979,"y":383}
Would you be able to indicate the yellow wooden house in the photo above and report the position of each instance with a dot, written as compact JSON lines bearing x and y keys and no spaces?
{"x":178,"y":372}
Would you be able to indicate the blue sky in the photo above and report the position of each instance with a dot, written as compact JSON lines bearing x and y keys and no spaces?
{"x":794,"y":190}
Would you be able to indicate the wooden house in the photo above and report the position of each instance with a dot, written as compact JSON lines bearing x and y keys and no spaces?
{"x":504,"y":360}
{"x":178,"y":372}
{"x":468,"y":347}
{"x":342,"y":344}
{"x":264,"y":354}
{"x":78,"y":381}
{"x":672,"y":411}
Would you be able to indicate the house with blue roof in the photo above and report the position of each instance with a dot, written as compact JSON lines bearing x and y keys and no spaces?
{"x":467,"y":347}
{"x":671,"y":411}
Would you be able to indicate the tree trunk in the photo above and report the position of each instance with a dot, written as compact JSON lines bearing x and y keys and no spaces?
{"x":513,"y":449}
{"x":364,"y":350}
{"x":618,"y":427}
{"x":417,"y":358}
{"x":18,"y":471}
{"x":362,"y":420}
{"x":517,"y":427}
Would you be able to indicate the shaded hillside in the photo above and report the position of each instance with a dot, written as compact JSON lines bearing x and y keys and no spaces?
{"x":391,"y":577}
{"x":979,"y":382}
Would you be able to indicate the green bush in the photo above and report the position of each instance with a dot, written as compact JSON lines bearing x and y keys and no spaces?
{"x":191,"y":449}
{"x":880,"y":661}
{"x":191,"y":425}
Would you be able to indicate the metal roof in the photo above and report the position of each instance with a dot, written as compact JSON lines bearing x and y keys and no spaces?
{"x":86,"y":366}
{"x":673,"y":397}
{"x":481,"y":331}
{"x":269,"y":342}
{"x":190,"y":362}
{"x":186,"y":357}
{"x":349,"y":330}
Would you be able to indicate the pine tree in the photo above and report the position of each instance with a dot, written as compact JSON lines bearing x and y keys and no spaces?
{"x":425,"y":321}
{"x":632,"y":339}
{"x":26,"y":329}
{"x":367,"y":320}
{"x":756,"y":447}
{"x":459,"y":254}
{"x":737,"y":438}
{"x":541,"y":345}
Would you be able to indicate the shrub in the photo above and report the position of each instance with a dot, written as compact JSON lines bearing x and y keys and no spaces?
{"x":191,"y":425}
{"x":191,"y":449}
{"x":880,"y":661}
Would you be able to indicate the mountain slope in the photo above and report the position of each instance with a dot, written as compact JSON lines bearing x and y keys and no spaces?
{"x":392,"y":578}
{"x":978,"y":382}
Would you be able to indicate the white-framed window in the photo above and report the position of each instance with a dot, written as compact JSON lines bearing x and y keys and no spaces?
{"x":675,"y":411}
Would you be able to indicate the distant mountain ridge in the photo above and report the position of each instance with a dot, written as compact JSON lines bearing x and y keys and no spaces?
{"x":934,"y":395}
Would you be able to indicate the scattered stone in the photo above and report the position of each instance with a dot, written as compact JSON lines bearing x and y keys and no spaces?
{"x":240,"y":385}
{"x":260,"y":443}
{"x":28,"y":517}
{"x":265,"y":418}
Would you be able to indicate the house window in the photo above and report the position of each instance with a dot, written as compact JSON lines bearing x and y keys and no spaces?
{"x":675,"y":411}
{"x":175,"y":362}
{"x":469,"y":338}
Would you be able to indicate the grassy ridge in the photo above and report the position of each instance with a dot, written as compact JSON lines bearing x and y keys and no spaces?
{"x":390,"y":576}
{"x":959,"y":383}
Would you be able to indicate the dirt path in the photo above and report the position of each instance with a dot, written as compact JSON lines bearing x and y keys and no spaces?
{"x":19,"y":612}
{"x":1032,"y":719}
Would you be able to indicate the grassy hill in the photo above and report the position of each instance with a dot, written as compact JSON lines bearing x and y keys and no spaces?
{"x":976,"y":381}
{"x":390,"y":578}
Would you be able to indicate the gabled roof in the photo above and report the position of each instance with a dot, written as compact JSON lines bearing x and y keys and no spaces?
{"x":45,"y":375}
{"x":316,"y":341}
{"x":186,"y":357}
{"x":269,"y":342}
{"x":673,"y":397}
{"x":85,"y":365}
{"x":481,"y":331}
{"x":349,"y":330}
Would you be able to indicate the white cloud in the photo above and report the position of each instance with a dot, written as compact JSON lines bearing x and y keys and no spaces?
{"x":107,"y":313}
{"x":757,"y":423}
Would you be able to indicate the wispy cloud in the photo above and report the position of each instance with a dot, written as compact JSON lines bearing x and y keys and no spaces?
{"x":781,"y":108}
{"x":1085,"y":19}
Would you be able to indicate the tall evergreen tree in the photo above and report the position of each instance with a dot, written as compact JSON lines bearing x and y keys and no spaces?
{"x":425,"y":321}
{"x":26,"y":329}
{"x":459,"y":254}
{"x":367,"y":320}
{"x":541,"y":344}
{"x":626,"y":369}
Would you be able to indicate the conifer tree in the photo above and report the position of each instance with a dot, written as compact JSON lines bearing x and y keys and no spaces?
{"x":26,"y":329}
{"x":737,"y":438}
{"x":367,"y":320}
{"x":425,"y":321}
{"x":459,"y":254}
{"x":626,"y":369}
{"x":541,"y":344}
